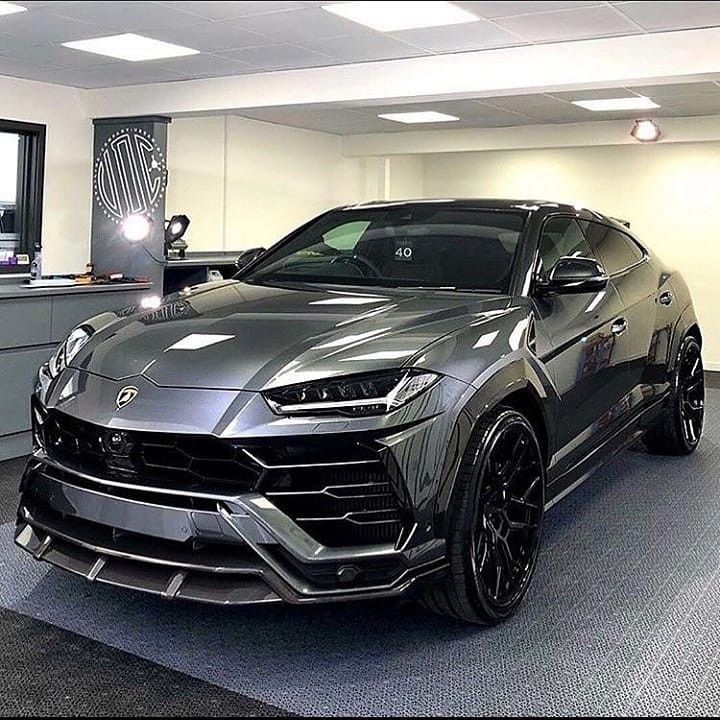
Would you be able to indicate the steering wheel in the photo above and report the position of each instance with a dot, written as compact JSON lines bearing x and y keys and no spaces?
{"x":358,"y":262}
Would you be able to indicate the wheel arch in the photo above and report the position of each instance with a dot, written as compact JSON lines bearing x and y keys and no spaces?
{"x":517,"y":385}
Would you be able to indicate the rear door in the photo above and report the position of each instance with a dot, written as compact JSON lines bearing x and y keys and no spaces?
{"x":645,"y":306}
{"x":577,"y":341}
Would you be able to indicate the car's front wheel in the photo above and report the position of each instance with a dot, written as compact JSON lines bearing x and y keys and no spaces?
{"x":678,"y":431}
{"x":495,"y":522}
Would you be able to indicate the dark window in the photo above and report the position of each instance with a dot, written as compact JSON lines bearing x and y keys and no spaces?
{"x":615,"y":250}
{"x":561,"y":237}
{"x":424,"y":245}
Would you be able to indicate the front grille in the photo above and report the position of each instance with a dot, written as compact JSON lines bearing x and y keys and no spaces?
{"x":337,"y":489}
{"x":184,"y":461}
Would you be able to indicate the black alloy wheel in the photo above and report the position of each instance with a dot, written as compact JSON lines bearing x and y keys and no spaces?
{"x":679,"y":430}
{"x":507,"y":528}
{"x":495,"y":522}
{"x":691,"y":391}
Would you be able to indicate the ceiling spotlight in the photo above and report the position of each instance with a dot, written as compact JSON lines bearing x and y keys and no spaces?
{"x":646,"y":131}
{"x":136,"y":228}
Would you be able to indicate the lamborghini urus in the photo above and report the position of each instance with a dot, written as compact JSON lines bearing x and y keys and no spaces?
{"x":384,"y":403}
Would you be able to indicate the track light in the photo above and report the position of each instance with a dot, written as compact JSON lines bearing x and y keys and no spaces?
{"x":136,"y":228}
{"x":646,"y":131}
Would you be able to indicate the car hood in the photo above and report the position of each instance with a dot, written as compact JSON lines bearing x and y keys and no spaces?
{"x":238,"y":336}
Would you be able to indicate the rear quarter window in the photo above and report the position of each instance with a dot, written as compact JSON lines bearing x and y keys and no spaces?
{"x":615,"y":250}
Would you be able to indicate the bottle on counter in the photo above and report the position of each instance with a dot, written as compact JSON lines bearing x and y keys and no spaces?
{"x":36,"y":265}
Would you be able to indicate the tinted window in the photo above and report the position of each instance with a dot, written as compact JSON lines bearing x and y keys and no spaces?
{"x":615,"y":250}
{"x":561,"y":237}
{"x":426,"y":245}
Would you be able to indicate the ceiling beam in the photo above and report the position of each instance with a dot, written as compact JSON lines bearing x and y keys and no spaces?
{"x":524,"y":137}
{"x":608,"y":62}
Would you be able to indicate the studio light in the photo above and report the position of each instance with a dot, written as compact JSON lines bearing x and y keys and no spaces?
{"x":136,"y":228}
{"x":175,"y":228}
{"x":646,"y":131}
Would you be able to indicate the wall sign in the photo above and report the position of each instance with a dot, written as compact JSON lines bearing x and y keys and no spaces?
{"x":129,"y":178}
{"x":130,"y":174}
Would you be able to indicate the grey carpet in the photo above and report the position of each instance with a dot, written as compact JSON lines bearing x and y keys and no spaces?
{"x":49,"y":671}
{"x":622,"y":617}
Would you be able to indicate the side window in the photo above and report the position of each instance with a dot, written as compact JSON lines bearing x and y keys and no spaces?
{"x":561,"y":237}
{"x":615,"y":250}
{"x":345,"y":237}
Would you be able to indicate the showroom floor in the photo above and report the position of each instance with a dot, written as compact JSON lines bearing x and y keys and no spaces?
{"x":622,"y":619}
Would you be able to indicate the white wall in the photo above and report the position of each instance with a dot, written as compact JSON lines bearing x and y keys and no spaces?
{"x":68,"y":167}
{"x":196,"y":179}
{"x":669,"y":192}
{"x":245,"y":183}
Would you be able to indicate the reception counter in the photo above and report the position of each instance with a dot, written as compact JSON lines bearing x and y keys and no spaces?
{"x":32,"y":323}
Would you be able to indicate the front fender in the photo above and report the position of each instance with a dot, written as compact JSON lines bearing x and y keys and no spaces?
{"x":519,"y":373}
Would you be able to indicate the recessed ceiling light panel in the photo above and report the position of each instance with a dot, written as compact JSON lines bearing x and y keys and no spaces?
{"x":389,"y":16}
{"x":7,"y":8}
{"x":130,"y":46}
{"x":610,"y":104}
{"x":410,"y":118}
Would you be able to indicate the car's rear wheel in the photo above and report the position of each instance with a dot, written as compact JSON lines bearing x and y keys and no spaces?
{"x":495,"y":522}
{"x":679,"y":430}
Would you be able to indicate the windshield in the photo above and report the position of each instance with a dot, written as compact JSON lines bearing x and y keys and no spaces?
{"x":402,"y":246}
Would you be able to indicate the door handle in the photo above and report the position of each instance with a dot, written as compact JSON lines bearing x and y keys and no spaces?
{"x":666,"y":298}
{"x":619,"y":326}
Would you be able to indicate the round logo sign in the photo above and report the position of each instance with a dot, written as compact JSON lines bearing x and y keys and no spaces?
{"x":130,"y":174}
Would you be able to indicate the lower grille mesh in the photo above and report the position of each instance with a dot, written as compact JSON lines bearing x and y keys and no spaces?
{"x":340,"y":505}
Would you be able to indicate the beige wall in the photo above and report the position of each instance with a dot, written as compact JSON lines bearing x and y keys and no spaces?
{"x":669,"y":192}
{"x":245,"y":183}
{"x":68,"y":167}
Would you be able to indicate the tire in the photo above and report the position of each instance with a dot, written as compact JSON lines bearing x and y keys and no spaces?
{"x":496,"y":518}
{"x":679,"y":430}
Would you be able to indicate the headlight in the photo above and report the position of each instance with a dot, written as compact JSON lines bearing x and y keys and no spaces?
{"x":68,"y":349}
{"x":356,"y":395}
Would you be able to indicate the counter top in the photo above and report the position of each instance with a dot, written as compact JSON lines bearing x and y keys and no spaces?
{"x":9,"y":290}
{"x":202,"y":258}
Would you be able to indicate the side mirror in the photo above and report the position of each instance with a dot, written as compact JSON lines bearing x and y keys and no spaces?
{"x":574,"y":275}
{"x":246,"y":257}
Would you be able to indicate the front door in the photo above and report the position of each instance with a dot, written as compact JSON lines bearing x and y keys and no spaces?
{"x":577,"y":340}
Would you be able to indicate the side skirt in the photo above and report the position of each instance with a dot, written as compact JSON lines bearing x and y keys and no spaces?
{"x":621,"y":439}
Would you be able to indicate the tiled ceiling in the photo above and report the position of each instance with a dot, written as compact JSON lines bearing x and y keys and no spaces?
{"x":675,"y":100}
{"x":237,"y":38}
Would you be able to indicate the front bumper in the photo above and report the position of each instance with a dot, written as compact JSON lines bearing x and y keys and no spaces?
{"x":200,"y":546}
{"x":223,"y":502}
